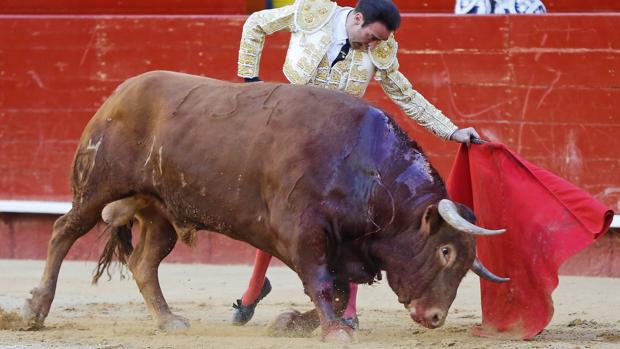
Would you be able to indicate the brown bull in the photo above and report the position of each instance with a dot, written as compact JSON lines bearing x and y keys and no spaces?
{"x":323,"y":181}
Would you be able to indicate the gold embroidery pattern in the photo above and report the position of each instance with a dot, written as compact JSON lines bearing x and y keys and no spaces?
{"x":311,"y":15}
{"x":321,"y":78}
{"x":399,"y":89}
{"x":312,"y":51}
{"x":305,"y":66}
{"x":384,"y":54}
{"x":258,"y":25}
{"x":337,"y":74}
{"x":358,"y":76}
{"x":306,"y":52}
{"x":277,"y":25}
{"x":292,"y":75}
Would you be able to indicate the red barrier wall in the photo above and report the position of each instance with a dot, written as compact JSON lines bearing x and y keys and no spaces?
{"x":547,"y":86}
{"x":203,"y":7}
{"x":25,"y":236}
{"x":136,"y":7}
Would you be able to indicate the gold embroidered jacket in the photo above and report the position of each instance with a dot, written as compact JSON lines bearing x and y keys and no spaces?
{"x":310,"y":23}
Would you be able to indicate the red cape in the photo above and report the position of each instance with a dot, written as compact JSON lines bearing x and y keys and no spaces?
{"x":547,"y":219}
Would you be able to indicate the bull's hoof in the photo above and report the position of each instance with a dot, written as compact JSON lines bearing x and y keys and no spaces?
{"x":289,"y":324}
{"x":173,"y":323}
{"x":338,"y":332}
{"x":31,"y":320}
{"x":35,"y":309}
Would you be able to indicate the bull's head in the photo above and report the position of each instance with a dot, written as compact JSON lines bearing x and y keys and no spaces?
{"x":426,"y":268}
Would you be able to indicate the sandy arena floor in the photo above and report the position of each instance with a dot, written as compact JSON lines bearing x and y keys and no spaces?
{"x":112,"y":315}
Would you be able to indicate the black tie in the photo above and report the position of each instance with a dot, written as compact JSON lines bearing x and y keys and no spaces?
{"x":343,"y":52}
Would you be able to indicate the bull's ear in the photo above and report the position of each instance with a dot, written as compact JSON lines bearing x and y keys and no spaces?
{"x":431,"y":220}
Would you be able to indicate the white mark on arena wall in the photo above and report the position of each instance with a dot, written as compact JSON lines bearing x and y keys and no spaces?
{"x":542,"y":44}
{"x":558,"y":75}
{"x":61,"y":66}
{"x":573,"y":162}
{"x":36,"y":78}
{"x":88,"y":46}
{"x":101,"y":75}
{"x":610,"y":191}
{"x":445,"y":79}
{"x":490,"y":135}
{"x":523,"y":114}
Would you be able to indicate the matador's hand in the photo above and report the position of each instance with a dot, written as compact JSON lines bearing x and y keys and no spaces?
{"x":464,"y":135}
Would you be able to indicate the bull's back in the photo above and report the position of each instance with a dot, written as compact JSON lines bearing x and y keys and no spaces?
{"x":189,"y":108}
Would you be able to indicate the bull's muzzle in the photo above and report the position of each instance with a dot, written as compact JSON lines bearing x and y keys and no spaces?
{"x":430,"y":318}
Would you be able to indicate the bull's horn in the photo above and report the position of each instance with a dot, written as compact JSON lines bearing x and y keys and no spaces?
{"x":450,"y":214}
{"x":484,"y":273}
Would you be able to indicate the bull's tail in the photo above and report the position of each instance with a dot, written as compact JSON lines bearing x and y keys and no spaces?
{"x":119,"y":245}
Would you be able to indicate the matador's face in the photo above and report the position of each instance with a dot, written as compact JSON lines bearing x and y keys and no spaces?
{"x":363,"y":37}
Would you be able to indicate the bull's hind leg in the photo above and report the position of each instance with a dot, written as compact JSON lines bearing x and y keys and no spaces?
{"x":67,"y":229}
{"x":157,"y":239}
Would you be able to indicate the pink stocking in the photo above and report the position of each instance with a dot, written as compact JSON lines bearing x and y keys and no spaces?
{"x":261,"y":263}
{"x":351,"y":310}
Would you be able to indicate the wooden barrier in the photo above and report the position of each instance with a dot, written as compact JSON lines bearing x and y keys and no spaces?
{"x":205,"y":7}
{"x":134,"y":7}
{"x":544,"y":85}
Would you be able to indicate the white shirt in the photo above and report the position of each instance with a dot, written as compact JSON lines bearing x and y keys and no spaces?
{"x":339,"y":34}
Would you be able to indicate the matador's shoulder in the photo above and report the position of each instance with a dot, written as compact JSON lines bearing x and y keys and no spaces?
{"x":312,"y":15}
{"x":384,"y":54}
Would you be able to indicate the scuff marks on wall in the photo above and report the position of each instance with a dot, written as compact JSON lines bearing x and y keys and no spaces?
{"x":572,"y":159}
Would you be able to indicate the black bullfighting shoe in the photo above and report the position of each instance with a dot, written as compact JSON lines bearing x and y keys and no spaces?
{"x":244,"y":313}
{"x":352,"y":322}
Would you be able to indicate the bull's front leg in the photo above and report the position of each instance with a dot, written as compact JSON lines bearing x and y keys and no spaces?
{"x":328,"y":295}
{"x":295,"y":323}
{"x":329,"y":298}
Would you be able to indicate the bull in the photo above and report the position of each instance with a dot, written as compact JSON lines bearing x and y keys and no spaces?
{"x":325,"y":182}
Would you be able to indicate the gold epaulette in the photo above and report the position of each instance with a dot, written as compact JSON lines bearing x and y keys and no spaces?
{"x":312,"y":15}
{"x":384,"y":54}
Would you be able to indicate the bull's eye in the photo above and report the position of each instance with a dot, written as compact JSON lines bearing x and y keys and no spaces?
{"x":446,"y":255}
